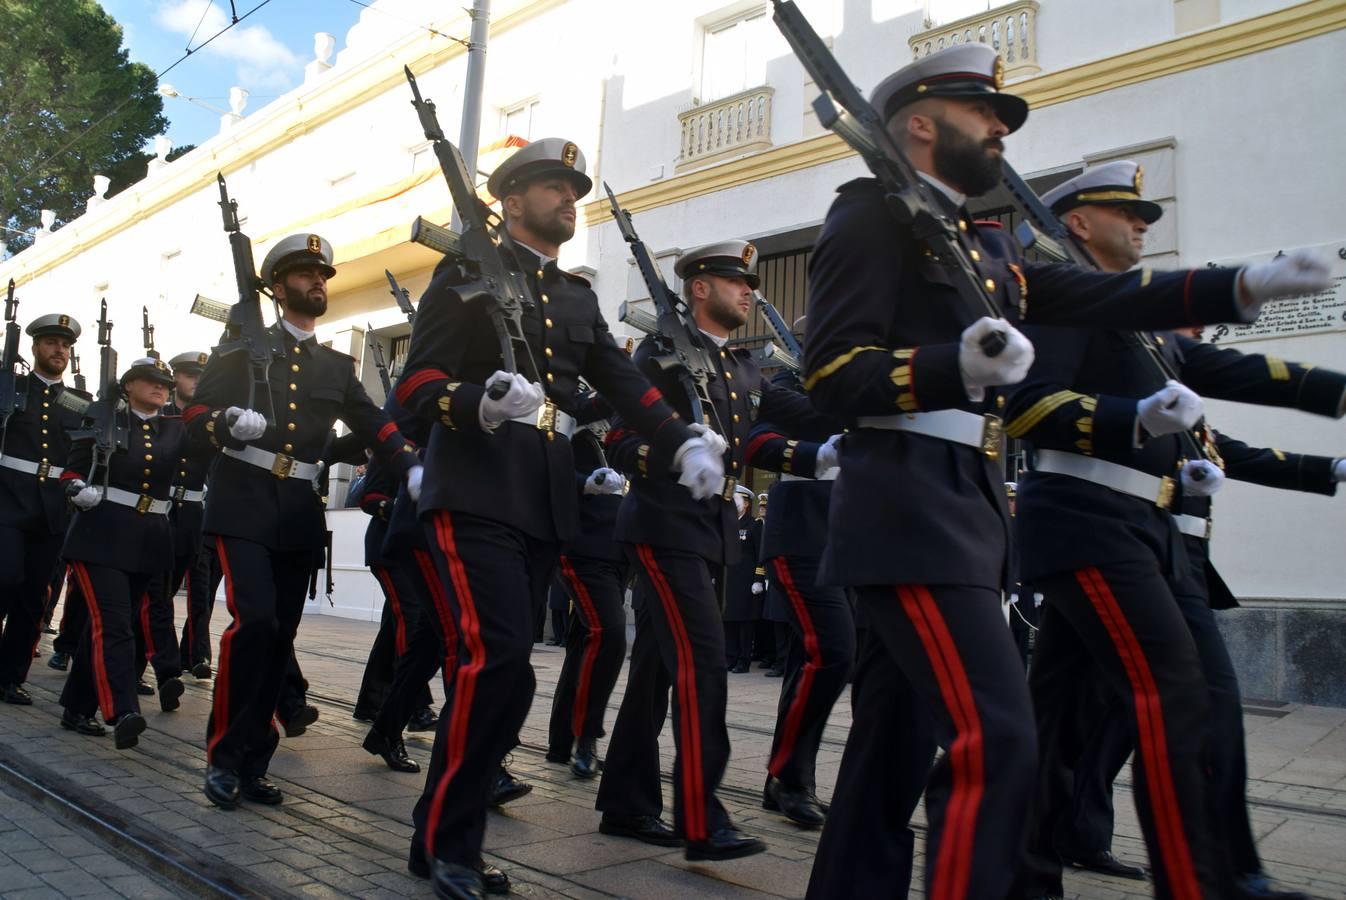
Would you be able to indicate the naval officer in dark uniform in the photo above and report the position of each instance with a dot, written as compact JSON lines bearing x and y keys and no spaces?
{"x":919,"y":524}
{"x":119,"y":542}
{"x":679,"y":545}
{"x":34,"y":444}
{"x":265,"y":514}
{"x":499,"y":492}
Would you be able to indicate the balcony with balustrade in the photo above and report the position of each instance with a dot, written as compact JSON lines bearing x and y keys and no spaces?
{"x":1011,"y":30}
{"x":736,"y":125}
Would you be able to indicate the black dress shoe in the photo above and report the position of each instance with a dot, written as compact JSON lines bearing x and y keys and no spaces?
{"x":586,"y":764}
{"x":222,"y":787}
{"x":126,"y":729}
{"x":507,"y":788}
{"x":1257,"y":886}
{"x":1104,"y":863}
{"x":256,"y":789}
{"x":393,"y":753}
{"x":14,"y":693}
{"x":799,"y":805}
{"x":561,"y":757}
{"x":81,"y":724}
{"x":169,"y":693}
{"x":724,"y":843}
{"x":452,"y":881}
{"x":364,"y":715}
{"x":201,"y":670}
{"x":648,"y":829}
{"x":143,"y":688}
{"x":775,"y":672}
{"x":494,"y":879}
{"x":424,"y":719}
{"x":59,"y":661}
{"x":740,"y":668}
{"x":297,"y":722}
{"x":47,"y":629}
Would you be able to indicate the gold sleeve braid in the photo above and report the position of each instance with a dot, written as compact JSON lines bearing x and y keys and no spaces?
{"x":1022,"y":424}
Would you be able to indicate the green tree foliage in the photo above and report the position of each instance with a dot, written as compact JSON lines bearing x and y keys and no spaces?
{"x":62,"y":69}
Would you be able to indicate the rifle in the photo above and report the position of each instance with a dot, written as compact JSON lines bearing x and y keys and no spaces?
{"x":244,"y":330}
{"x":107,"y":438}
{"x":785,"y":345}
{"x":437,"y":238}
{"x":909,"y":198}
{"x":377,"y":349}
{"x":80,"y":383}
{"x":401,"y":296}
{"x":1043,"y":231}
{"x":11,"y":399}
{"x":682,"y":352}
{"x":147,"y":333}
{"x":773,"y":354}
{"x":488,"y":269}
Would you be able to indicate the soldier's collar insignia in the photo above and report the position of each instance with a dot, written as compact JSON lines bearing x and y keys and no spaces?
{"x":568,"y":155}
{"x":314,"y":244}
{"x":998,"y":73}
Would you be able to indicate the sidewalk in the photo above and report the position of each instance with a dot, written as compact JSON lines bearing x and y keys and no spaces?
{"x":344,"y":828}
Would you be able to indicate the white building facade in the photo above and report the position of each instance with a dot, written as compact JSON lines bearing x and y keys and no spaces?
{"x":699,"y":117}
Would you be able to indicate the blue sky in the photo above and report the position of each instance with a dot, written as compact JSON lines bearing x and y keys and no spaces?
{"x":264,"y":53}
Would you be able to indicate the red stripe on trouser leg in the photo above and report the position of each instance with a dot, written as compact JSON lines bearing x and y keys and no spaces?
{"x":953,"y":867}
{"x":394,"y":603}
{"x":466,"y":681}
{"x":220,"y":713}
{"x":101,"y":682}
{"x":812,"y":663}
{"x":441,"y":602}
{"x":145,"y":626}
{"x":689,"y":724}
{"x":1153,"y":741}
{"x":592,"y":642}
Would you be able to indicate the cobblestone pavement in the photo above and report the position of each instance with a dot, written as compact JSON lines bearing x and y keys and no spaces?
{"x":344,"y":827}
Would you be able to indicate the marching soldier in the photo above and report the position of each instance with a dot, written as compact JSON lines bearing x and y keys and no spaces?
{"x":265,"y":515}
{"x":594,"y":574}
{"x":744,"y":585}
{"x":499,"y":494}
{"x":1104,"y":583}
{"x":678,"y":546}
{"x":118,"y":543}
{"x":34,"y":444}
{"x":918,"y":523}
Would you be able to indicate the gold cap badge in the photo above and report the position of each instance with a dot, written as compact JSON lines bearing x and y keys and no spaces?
{"x":748,"y":251}
{"x":1139,"y":180}
{"x":63,"y":322}
{"x":202,"y":358}
{"x":568,"y":154}
{"x":314,"y":244}
{"x":998,"y":73}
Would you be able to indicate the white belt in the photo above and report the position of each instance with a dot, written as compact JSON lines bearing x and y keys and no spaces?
{"x":141,"y":503}
{"x":28,"y":467}
{"x":277,"y":464}
{"x":828,"y":475}
{"x":1122,"y":479}
{"x":182,"y":495}
{"x":1195,"y":526}
{"x":955,"y":425}
{"x":549,"y":418}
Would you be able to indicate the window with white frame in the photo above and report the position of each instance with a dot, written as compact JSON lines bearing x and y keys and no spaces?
{"x":518,"y":120}
{"x":733,"y":54}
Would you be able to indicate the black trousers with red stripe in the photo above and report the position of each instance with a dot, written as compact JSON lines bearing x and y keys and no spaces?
{"x":265,"y":592}
{"x":401,"y":608}
{"x":952,"y":651}
{"x":595,"y":649}
{"x":818,"y":664}
{"x":102,"y":674}
{"x":202,"y":582}
{"x":27,"y":560}
{"x":156,"y":636}
{"x":492,"y":576}
{"x":74,"y":617}
{"x":430,"y":637}
{"x":682,"y":616}
{"x":1126,"y":621}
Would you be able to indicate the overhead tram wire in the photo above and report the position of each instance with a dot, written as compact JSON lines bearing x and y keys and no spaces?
{"x":36,"y":170}
{"x":422,"y":26}
{"x":199,"y":23}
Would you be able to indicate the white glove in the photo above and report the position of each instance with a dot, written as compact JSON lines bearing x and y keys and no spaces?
{"x":522,"y":399}
{"x":86,"y":497}
{"x":758,"y":587}
{"x":1007,"y":367}
{"x":1174,"y":407}
{"x":1300,"y":272}
{"x":829,"y":457}
{"x":1201,"y":478}
{"x":713,"y":438}
{"x":604,"y":481}
{"x":414,"y":477}
{"x":1339,"y":470}
{"x":701,"y":466}
{"x":245,"y":424}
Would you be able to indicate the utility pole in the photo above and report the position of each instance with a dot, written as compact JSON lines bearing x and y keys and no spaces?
{"x":470,"y":135}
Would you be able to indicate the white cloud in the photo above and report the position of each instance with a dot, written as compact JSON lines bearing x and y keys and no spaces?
{"x":260,"y":60}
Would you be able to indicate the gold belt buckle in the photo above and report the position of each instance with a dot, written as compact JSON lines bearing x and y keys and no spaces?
{"x":281,"y":465}
{"x":42,"y":469}
{"x":546,"y":419}
{"x":729,"y":485}
{"x":1210,"y":523}
{"x":144,"y":503}
{"x":180,"y":493}
{"x":991,"y":430}
{"x":1166,"y":488}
